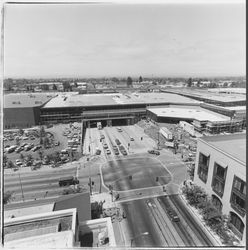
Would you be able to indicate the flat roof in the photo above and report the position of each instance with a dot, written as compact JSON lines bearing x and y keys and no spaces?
{"x":26,"y":100}
{"x":59,"y":240}
{"x":234,"y":145}
{"x":221,"y":97}
{"x":84,"y":100}
{"x":17,"y":212}
{"x":231,"y":90}
{"x":194,"y":113}
{"x":238,"y":108}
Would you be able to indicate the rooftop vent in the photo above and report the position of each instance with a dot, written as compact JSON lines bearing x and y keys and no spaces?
{"x":16,"y":102}
{"x":38,"y":102}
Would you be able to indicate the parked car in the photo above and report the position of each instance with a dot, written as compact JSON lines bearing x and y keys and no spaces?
{"x":18,"y":162}
{"x":124,"y":152}
{"x":131,"y":139}
{"x":105,"y":145}
{"x":117,"y":142}
{"x":155,"y":152}
{"x":108,"y":151}
{"x":102,"y":136}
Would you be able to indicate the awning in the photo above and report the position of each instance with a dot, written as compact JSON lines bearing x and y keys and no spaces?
{"x":205,"y":153}
{"x":221,"y":163}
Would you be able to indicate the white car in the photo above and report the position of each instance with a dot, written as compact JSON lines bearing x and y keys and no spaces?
{"x":108,"y":152}
{"x":18,"y":162}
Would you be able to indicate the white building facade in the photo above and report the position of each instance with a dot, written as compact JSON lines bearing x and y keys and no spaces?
{"x":221,"y":170}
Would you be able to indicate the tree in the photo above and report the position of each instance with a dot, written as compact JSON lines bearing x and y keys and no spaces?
{"x":189,"y":82}
{"x":5,"y":160}
{"x":41,"y":154}
{"x":17,"y":140}
{"x":195,"y":195}
{"x":21,"y":131}
{"x":21,"y":156}
{"x":46,"y":142}
{"x":42,"y":131}
{"x":198,"y":83}
{"x":29,"y":159}
{"x":10,"y":164}
{"x":140,"y":79}
{"x":129,"y":82}
{"x":66,"y":86}
{"x":54,"y":87}
{"x":7,"y":197}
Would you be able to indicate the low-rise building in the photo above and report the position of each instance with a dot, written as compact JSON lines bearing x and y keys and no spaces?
{"x":221,"y":170}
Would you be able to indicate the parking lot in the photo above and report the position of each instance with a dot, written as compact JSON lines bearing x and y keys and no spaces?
{"x":42,"y":146}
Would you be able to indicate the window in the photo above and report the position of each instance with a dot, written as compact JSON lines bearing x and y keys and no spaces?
{"x":203,"y":167}
{"x":238,"y":195}
{"x":219,"y":178}
{"x":237,"y":222}
{"x":216,"y":202}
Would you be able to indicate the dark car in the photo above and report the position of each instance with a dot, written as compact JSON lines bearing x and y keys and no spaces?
{"x":124,"y":152}
{"x":155,"y":152}
{"x":173,"y":215}
{"x":117,"y":142}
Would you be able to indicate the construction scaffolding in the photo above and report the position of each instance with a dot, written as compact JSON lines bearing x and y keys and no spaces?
{"x":231,"y":126}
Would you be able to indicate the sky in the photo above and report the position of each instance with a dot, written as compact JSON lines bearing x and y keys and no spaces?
{"x":106,"y":40}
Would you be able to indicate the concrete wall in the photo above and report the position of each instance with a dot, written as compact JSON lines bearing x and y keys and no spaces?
{"x":234,"y":167}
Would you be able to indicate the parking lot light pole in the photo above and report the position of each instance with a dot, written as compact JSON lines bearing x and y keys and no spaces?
{"x":142,"y":234}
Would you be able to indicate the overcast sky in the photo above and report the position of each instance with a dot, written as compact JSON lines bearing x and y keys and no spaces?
{"x":104,"y":40}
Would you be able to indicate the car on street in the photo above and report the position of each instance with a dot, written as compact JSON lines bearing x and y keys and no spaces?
{"x":117,"y":152}
{"x":173,"y":215}
{"x":155,"y":152}
{"x":105,"y":145}
{"x":119,"y":129}
{"x":131,"y":139}
{"x":102,"y":136}
{"x":108,"y":152}
{"x":115,"y":147}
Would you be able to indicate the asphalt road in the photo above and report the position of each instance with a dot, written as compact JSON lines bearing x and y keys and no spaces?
{"x":41,"y":184}
{"x":144,"y":172}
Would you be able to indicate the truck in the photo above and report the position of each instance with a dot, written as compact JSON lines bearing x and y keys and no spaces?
{"x":99,"y":125}
{"x":187,"y":127}
{"x":69,"y":180}
{"x":166,"y":133}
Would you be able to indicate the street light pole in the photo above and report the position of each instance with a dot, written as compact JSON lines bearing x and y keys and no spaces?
{"x":21,"y":186}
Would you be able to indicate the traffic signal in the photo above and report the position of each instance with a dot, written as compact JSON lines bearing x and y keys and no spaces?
{"x":156,"y":179}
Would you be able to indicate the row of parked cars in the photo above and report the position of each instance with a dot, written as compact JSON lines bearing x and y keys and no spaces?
{"x":23,"y":147}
